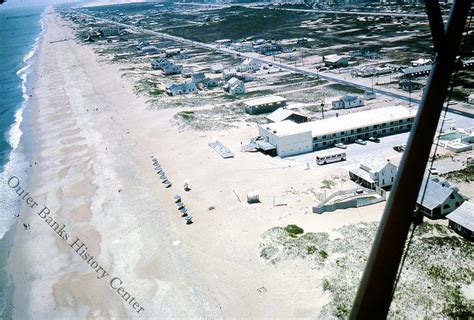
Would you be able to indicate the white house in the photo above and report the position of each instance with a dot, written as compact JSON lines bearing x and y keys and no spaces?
{"x":348,"y":101}
{"x":171,"y":69}
{"x":210,"y":82}
{"x":217,"y":68}
{"x":150,"y":50}
{"x":439,"y":198}
{"x":374,"y":173}
{"x":470,"y":99}
{"x":234,"y":86}
{"x":187,"y":72}
{"x":158,"y":64}
{"x":335,"y":60}
{"x":172,"y":52}
{"x":229,"y":73}
{"x":249,"y":65}
{"x":175,"y":89}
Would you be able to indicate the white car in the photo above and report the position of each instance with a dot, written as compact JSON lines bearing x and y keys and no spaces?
{"x":360,"y":141}
{"x":433,"y":171}
{"x":340,"y":145}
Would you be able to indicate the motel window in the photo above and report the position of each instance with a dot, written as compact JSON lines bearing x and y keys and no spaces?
{"x":324,"y":137}
{"x":359,"y":130}
{"x":391,"y":123}
{"x":383,"y":130}
{"x":391,"y":129}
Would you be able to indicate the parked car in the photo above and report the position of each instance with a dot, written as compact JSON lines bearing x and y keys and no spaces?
{"x":340,"y":145}
{"x":399,"y":148}
{"x":360,"y":141}
{"x":374,"y":139}
{"x":433,"y":171}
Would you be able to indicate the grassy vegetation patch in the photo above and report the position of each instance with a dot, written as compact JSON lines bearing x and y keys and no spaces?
{"x":437,"y":266}
{"x":466,"y":175}
{"x":293,"y":230}
{"x":345,"y":88}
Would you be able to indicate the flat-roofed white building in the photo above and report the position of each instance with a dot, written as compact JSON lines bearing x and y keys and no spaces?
{"x":291,"y":138}
{"x":264,"y":105}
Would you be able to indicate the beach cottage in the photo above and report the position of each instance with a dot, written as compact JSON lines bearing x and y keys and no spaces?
{"x":234,"y":86}
{"x":374,"y":173}
{"x":175,"y":89}
{"x":348,"y":101}
{"x":461,"y":220}
{"x":439,"y":198}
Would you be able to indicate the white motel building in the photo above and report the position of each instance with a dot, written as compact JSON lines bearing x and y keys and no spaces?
{"x":289,"y":138}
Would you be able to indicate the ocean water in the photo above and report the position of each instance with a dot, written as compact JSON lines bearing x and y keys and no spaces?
{"x":20,"y":30}
{"x":19,"y":34}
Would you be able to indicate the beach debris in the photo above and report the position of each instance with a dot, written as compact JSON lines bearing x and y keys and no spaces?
{"x":221,"y":149}
{"x":211,"y":208}
{"x":253,"y":197}
{"x":236,"y":195}
{"x":262,"y":290}
{"x":189,"y":219}
{"x":186,"y":185}
{"x":119,"y":190}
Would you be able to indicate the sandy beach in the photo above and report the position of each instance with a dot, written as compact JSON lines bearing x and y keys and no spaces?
{"x":94,"y":141}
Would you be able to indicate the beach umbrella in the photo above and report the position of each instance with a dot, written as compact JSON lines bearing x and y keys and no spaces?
{"x":168,"y":184}
{"x":189,"y":219}
{"x":177,"y":198}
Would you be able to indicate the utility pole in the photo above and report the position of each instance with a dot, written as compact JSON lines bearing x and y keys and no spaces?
{"x":376,"y":287}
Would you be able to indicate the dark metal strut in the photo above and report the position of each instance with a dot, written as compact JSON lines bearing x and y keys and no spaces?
{"x":375,"y":289}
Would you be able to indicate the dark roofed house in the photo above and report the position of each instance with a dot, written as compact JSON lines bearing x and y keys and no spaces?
{"x":198,"y":77}
{"x":461,"y":220}
{"x":439,"y":199}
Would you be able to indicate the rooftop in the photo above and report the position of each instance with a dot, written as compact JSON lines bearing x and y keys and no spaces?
{"x":464,"y":215}
{"x":434,"y":195}
{"x":342,"y":123}
{"x":264,"y":100}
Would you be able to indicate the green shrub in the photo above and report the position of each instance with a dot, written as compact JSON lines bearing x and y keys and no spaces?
{"x":293,"y":230}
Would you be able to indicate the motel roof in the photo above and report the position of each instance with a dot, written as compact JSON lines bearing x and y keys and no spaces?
{"x":342,"y":123}
{"x":264,"y":101}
